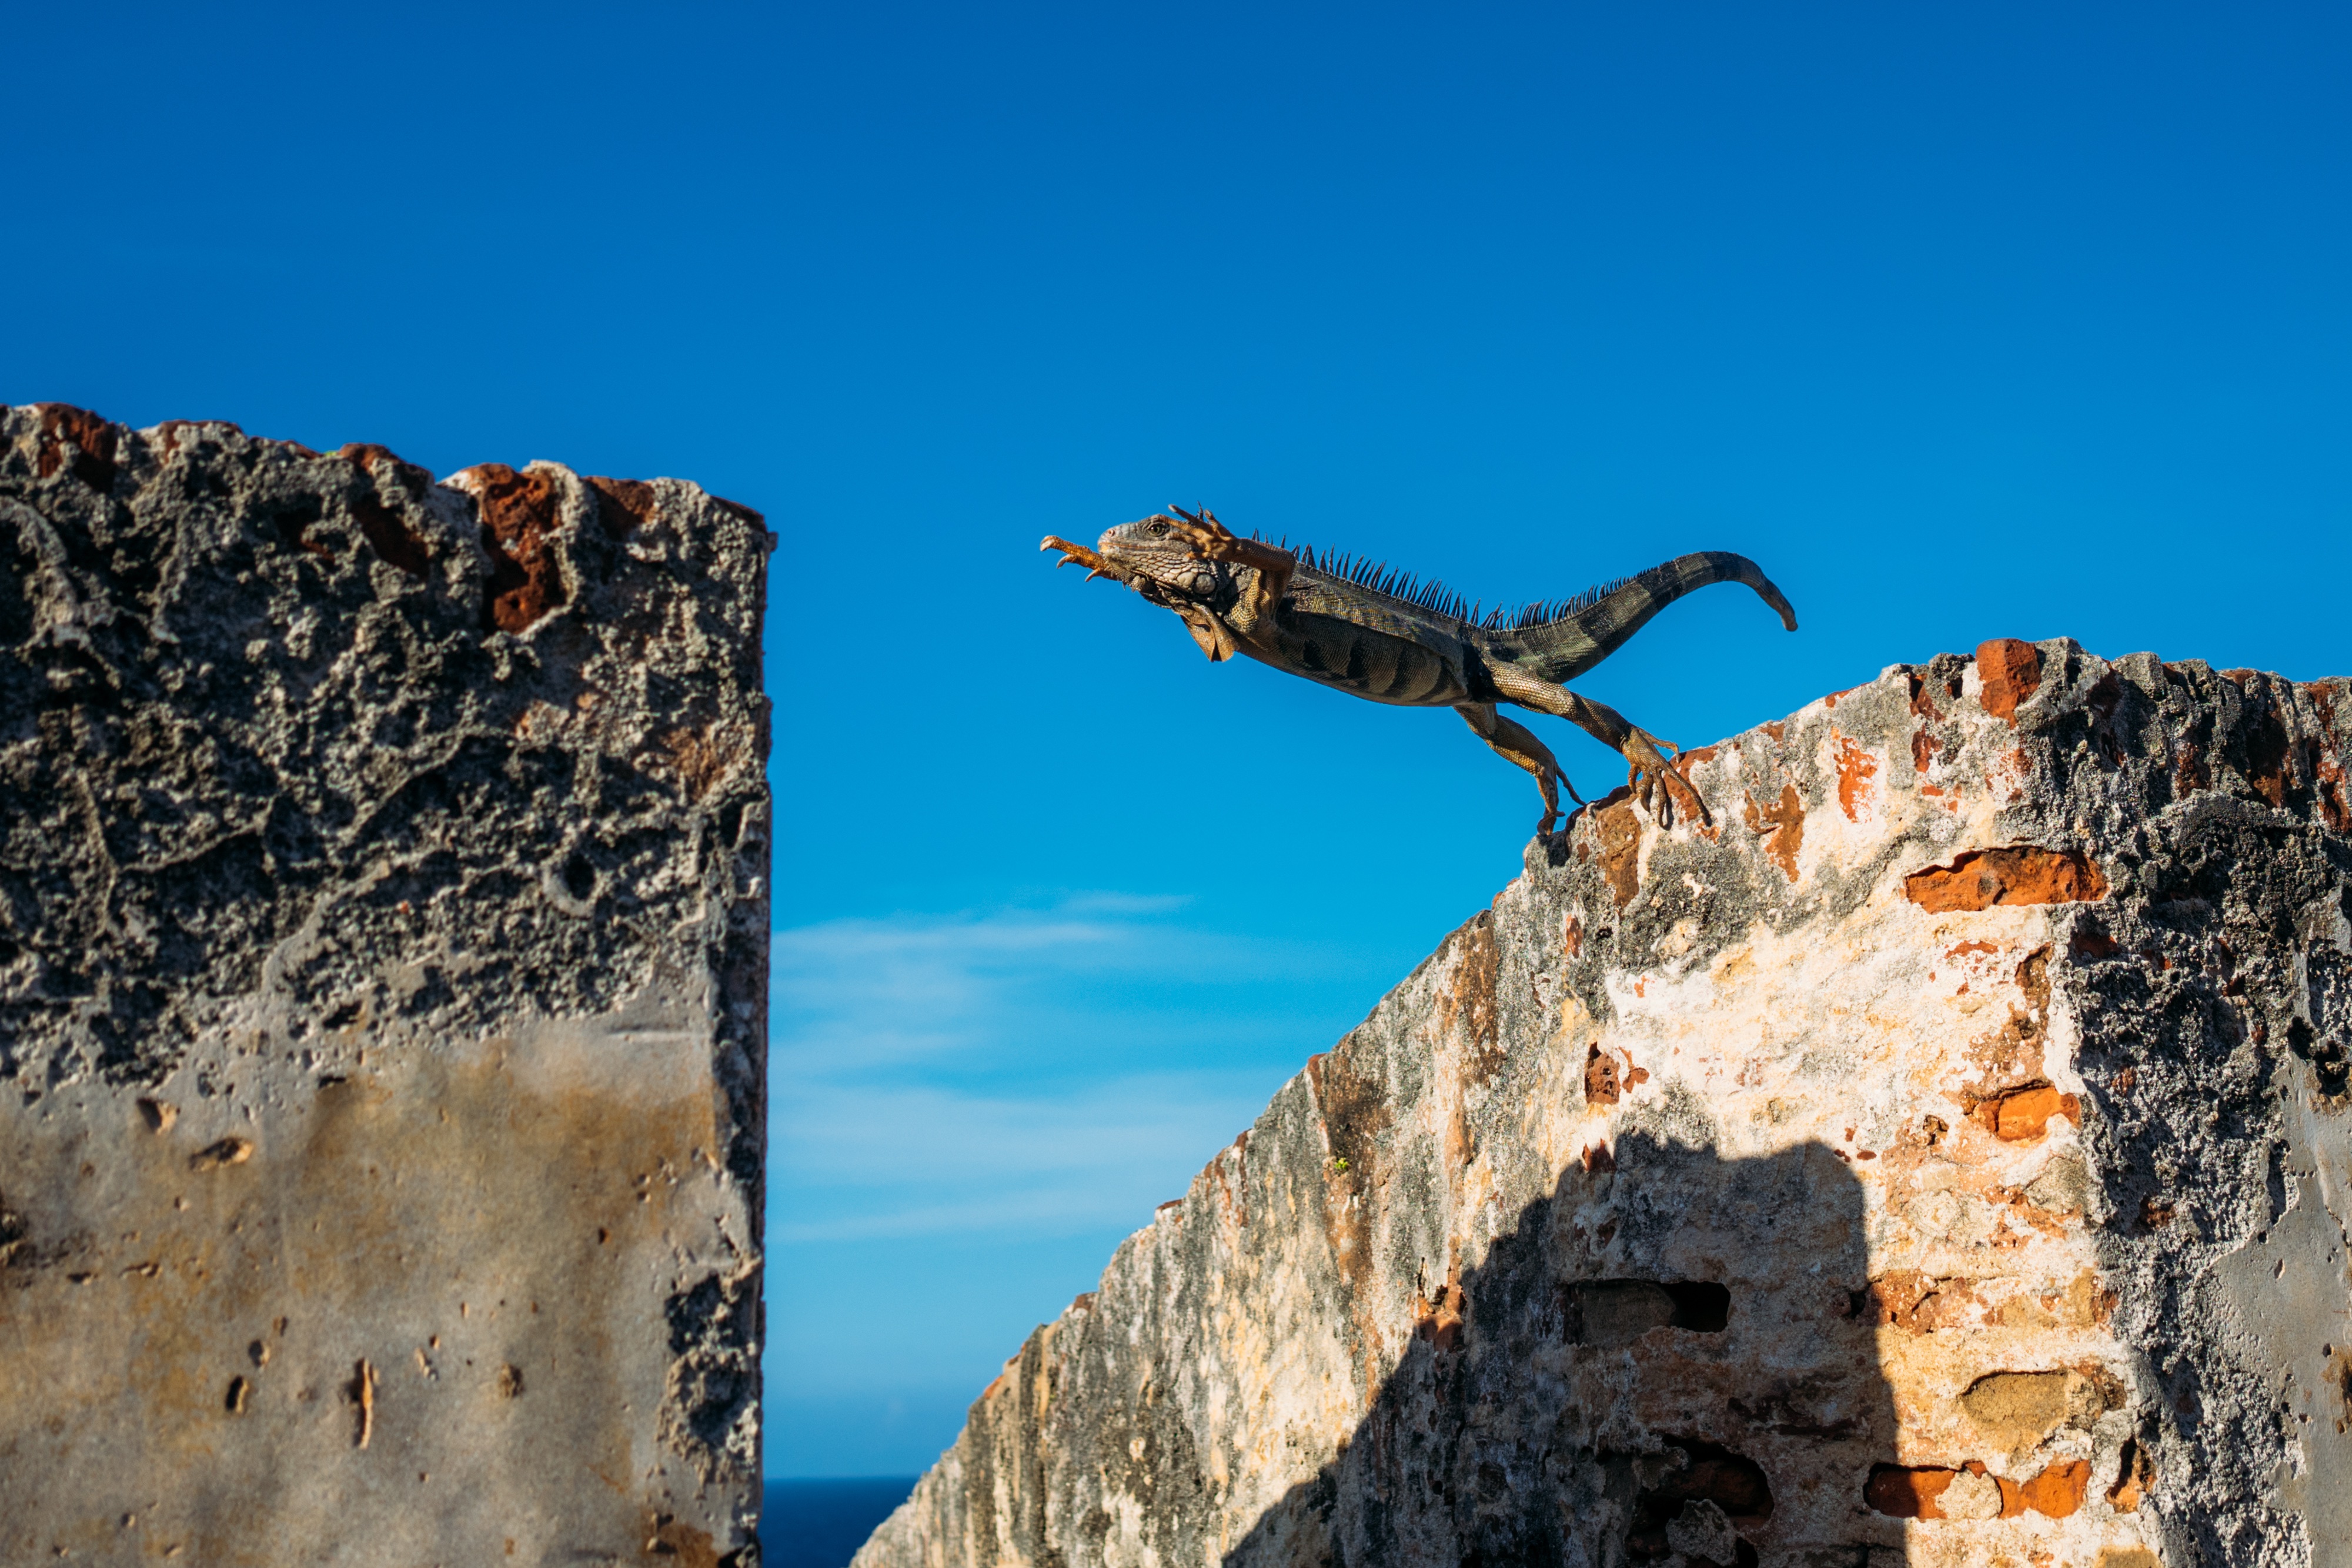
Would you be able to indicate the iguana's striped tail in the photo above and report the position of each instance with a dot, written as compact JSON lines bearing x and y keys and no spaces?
{"x":1562,"y":649}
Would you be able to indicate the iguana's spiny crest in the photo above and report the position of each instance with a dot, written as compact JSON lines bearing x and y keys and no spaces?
{"x":1378,"y":634}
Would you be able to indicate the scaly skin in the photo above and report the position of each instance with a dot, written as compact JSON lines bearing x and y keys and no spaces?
{"x":1415,"y":648}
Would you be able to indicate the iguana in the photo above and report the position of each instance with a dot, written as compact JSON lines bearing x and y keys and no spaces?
{"x":1384,"y":637}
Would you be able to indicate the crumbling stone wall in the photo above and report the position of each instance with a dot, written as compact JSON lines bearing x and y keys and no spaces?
{"x":382,"y":951}
{"x":1940,"y":1156}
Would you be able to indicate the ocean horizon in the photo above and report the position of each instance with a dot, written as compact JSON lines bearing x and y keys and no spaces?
{"x":822,"y":1522}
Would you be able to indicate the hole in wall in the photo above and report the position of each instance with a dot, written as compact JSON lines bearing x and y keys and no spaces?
{"x":1700,"y":1306}
{"x":1603,"y":1312}
{"x":294,"y":522}
{"x":1713,"y":1473}
{"x":579,"y":877}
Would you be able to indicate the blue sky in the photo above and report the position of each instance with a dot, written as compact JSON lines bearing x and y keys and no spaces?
{"x":1964,"y":321}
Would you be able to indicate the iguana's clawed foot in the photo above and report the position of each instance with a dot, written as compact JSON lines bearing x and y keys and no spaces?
{"x":1656,"y":783}
{"x":1096,"y":566}
{"x":1551,"y":807}
{"x":1210,"y":539}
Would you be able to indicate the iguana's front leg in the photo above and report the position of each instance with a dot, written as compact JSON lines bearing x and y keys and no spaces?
{"x":1212,"y":540}
{"x":1514,"y":743}
{"x":1216,"y":638}
{"x":1646,"y":768}
{"x":1081,"y":555}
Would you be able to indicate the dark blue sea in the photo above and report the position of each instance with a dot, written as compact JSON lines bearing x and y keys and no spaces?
{"x":820,"y":1524}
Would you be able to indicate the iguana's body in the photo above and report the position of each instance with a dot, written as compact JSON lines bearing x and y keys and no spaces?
{"x":1383,"y":639}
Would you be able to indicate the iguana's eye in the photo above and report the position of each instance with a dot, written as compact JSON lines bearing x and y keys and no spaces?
{"x":1157,"y":530}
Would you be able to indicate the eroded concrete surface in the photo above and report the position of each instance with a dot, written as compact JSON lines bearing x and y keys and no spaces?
{"x":1941,"y":1158}
{"x":382,"y":919}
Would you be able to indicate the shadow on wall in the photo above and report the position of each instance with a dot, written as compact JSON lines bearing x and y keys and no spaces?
{"x":1669,"y":1359}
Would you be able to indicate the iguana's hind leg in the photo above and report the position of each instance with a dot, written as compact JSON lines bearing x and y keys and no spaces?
{"x":1646,"y":770}
{"x":1514,"y":743}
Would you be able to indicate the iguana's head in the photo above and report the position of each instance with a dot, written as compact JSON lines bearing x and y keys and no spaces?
{"x":1151,"y":549}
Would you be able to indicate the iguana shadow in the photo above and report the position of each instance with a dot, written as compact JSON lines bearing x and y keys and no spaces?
{"x":1668,"y":1362}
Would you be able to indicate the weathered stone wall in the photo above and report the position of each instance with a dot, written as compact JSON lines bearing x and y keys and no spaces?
{"x":1941,"y":1157}
{"x":382,"y":947}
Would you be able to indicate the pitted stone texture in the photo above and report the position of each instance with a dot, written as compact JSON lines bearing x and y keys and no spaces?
{"x":383,"y":950}
{"x":1941,"y":1157}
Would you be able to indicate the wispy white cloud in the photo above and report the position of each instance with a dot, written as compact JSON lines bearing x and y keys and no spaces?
{"x":888,"y":989}
{"x":900,"y":1162}
{"x":1034,"y":1070}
